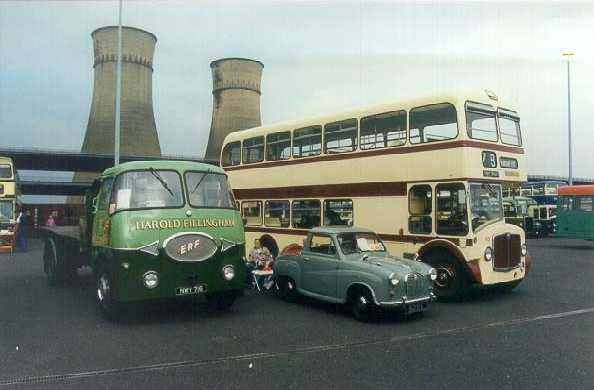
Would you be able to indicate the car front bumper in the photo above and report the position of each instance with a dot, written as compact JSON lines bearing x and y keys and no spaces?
{"x":404,"y":303}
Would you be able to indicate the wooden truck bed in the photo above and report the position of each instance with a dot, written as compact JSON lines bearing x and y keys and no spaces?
{"x":68,"y":232}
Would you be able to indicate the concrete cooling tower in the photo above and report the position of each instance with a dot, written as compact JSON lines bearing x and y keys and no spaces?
{"x":138,"y":132}
{"x":236,"y":100}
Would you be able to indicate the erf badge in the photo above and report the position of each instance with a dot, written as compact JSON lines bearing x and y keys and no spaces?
{"x":185,"y":248}
{"x":190,"y":247}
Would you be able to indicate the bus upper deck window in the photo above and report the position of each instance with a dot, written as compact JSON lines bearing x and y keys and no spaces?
{"x":340,"y":137}
{"x":480,"y":121}
{"x":253,"y":150}
{"x":434,"y":122}
{"x":231,"y":154}
{"x":278,"y":146}
{"x":509,"y":127}
{"x":383,"y":130}
{"x":307,"y":141}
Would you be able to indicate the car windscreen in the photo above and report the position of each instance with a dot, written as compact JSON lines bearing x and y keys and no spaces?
{"x":208,"y":189}
{"x":358,"y":242}
{"x":147,"y":189}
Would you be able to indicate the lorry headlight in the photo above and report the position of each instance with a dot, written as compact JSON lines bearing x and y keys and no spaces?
{"x":488,"y":253}
{"x":432,"y":274}
{"x":150,"y":279}
{"x":228,"y":272}
{"x":524,"y":250}
{"x":393,"y":279}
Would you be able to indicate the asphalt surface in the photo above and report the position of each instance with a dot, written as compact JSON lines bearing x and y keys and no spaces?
{"x":539,"y":336}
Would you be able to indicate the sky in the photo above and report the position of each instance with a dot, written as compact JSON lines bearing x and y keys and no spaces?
{"x":320,"y":57}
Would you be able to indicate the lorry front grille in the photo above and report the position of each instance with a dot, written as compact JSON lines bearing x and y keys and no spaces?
{"x":508,"y":251}
{"x":415,"y":285}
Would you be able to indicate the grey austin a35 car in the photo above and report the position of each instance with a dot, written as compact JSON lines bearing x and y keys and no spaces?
{"x":352,"y":266}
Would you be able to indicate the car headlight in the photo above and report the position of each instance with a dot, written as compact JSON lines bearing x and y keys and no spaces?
{"x":150,"y":279}
{"x":393,"y":279}
{"x":524,"y":250}
{"x":432,"y":274}
{"x":488,"y":253}
{"x":228,"y":272}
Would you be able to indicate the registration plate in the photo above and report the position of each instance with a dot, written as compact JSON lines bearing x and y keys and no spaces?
{"x":416,"y":307}
{"x":193,"y":290}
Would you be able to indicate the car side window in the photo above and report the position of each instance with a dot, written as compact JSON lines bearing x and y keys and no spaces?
{"x":322,"y":244}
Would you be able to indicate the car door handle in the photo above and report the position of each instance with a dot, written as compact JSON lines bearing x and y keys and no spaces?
{"x":306,"y":258}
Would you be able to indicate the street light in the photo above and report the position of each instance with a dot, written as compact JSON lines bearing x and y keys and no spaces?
{"x":118,"y":90}
{"x":568,"y":56}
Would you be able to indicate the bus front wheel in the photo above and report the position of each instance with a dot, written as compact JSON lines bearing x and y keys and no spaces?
{"x":451,"y":282}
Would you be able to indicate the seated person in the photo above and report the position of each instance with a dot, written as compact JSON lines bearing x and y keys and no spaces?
{"x":259,"y":258}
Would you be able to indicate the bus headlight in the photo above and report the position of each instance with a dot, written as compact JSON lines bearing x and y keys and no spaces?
{"x":432,"y":274}
{"x":393,"y":279}
{"x":488,"y":253}
{"x":524,"y":250}
{"x":150,"y":279}
{"x":228,"y":272}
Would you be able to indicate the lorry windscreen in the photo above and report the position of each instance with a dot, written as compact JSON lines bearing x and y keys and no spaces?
{"x":147,"y":189}
{"x":209,"y":189}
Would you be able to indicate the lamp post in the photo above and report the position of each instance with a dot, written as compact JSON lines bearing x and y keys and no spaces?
{"x":568,"y":56}
{"x":118,"y":89}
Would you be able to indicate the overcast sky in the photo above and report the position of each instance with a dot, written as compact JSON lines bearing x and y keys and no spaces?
{"x":319,"y":56}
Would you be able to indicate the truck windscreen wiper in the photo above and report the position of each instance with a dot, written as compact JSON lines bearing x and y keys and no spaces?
{"x":200,"y":181}
{"x":161,"y":180}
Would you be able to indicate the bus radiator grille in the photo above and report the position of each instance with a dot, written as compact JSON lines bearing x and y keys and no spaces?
{"x":507,"y":248}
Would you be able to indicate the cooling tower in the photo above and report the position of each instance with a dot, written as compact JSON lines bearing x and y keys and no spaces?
{"x":138,"y":133}
{"x":236,"y":99}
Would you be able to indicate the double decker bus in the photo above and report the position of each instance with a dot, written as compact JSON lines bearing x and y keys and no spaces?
{"x":543,"y":192}
{"x":425,"y":174}
{"x":575,"y":213}
{"x":8,"y":199}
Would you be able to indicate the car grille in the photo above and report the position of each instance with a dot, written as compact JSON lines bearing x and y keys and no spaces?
{"x":507,"y":248}
{"x":415,"y":285}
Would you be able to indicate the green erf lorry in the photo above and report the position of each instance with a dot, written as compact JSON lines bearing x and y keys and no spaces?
{"x":152,"y":230}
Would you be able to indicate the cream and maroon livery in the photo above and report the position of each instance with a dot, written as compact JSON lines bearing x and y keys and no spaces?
{"x":425,"y":174}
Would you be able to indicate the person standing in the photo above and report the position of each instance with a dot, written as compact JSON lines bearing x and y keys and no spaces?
{"x":50,"y":221}
{"x":23,"y":222}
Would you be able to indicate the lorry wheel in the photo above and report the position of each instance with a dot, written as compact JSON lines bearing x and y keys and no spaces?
{"x":363,"y":307}
{"x":452,"y":282}
{"x":221,"y":301}
{"x":104,"y":295}
{"x":287,"y":290}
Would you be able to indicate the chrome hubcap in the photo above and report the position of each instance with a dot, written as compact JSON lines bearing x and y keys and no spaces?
{"x":102,"y":288}
{"x":362,"y":300}
{"x":444,"y":277}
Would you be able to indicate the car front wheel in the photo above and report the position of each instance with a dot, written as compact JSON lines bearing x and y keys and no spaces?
{"x":287,"y":290}
{"x":363,"y":307}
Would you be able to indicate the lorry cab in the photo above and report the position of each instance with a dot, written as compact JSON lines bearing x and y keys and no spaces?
{"x":164,"y":229}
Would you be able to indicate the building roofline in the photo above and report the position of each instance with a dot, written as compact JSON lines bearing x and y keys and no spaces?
{"x":127,"y":28}
{"x":215,"y":62}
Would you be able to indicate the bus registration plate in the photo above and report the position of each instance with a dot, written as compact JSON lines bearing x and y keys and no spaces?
{"x":193,"y":290}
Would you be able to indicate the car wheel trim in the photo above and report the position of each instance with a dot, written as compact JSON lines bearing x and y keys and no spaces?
{"x":445,"y":276}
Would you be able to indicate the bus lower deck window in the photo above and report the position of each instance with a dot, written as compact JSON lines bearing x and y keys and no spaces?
{"x":276,"y":213}
{"x":306,"y":213}
{"x":420,"y":208}
{"x":338,"y":212}
{"x":252,"y":212}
